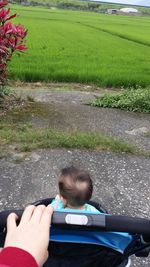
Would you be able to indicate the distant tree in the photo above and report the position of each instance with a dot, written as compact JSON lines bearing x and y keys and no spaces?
{"x":12,"y":39}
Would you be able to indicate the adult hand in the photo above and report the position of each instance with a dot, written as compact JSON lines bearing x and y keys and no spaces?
{"x":32,"y":233}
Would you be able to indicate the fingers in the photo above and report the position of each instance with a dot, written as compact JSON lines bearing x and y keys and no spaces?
{"x":38,"y":213}
{"x":27,"y":214}
{"x":32,"y":233}
{"x":11,"y":222}
{"x":34,"y":214}
{"x":47,"y":216}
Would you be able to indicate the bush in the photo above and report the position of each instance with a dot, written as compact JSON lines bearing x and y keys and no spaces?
{"x":137,"y":100}
{"x":12,"y":39}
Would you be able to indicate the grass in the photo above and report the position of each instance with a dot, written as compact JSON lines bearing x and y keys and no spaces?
{"x":30,"y":138}
{"x":30,"y":98}
{"x":3,"y":152}
{"x":16,"y":129}
{"x":4,"y":91}
{"x":137,"y":100}
{"x":73,"y":46}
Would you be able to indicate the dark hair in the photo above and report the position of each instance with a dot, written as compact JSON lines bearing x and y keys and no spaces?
{"x":75,"y":185}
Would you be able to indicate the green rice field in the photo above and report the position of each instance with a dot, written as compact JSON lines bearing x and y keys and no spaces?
{"x":73,"y":46}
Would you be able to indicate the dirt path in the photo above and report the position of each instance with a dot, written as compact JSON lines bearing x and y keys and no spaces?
{"x":72,"y":114}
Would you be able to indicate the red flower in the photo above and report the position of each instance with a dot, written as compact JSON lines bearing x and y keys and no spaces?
{"x":8,"y":28}
{"x":3,"y":3}
{"x":3,"y":49}
{"x":12,"y":38}
{"x":21,"y":48}
{"x":20,"y":31}
{"x":16,"y":30}
{"x":4,"y":15}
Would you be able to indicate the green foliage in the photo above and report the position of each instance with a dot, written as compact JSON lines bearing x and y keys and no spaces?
{"x":27,"y":138}
{"x":30,"y":98}
{"x":12,"y":39}
{"x":137,"y":100}
{"x":86,"y":47}
{"x":3,"y":92}
{"x":77,"y":4}
{"x":16,"y":128}
{"x":80,"y":4}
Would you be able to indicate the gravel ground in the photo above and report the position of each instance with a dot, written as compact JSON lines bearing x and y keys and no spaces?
{"x":121,"y":181}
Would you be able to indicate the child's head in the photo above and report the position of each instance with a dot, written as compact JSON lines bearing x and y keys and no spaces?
{"x":75,"y":186}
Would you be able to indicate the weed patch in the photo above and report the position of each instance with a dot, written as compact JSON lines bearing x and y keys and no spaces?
{"x":26,"y":138}
{"x":137,"y":100}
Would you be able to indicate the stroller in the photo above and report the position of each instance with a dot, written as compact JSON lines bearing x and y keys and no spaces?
{"x":85,"y":240}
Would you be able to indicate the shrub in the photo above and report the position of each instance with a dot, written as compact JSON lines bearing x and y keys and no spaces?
{"x":12,"y":39}
{"x":137,"y":100}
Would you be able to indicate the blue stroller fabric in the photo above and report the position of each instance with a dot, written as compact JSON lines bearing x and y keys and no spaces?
{"x":113,"y":240}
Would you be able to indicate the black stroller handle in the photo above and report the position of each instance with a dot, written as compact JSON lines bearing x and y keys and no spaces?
{"x":128,"y":224}
{"x":103,"y":222}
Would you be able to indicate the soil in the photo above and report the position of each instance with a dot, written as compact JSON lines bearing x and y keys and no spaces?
{"x":10,"y":102}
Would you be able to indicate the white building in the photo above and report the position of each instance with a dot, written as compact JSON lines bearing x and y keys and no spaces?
{"x":129,"y":10}
{"x":124,"y":11}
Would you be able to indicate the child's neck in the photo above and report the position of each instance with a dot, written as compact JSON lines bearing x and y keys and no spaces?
{"x":76,"y":208}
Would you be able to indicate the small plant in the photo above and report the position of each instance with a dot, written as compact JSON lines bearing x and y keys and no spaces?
{"x":12,"y":39}
{"x":137,"y":100}
{"x":30,"y":98}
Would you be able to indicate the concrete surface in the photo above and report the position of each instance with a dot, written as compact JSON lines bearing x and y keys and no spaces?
{"x":121,"y":181}
{"x":71,"y":114}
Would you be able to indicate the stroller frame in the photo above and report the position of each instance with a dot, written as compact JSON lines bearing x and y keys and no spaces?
{"x":103,"y":222}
